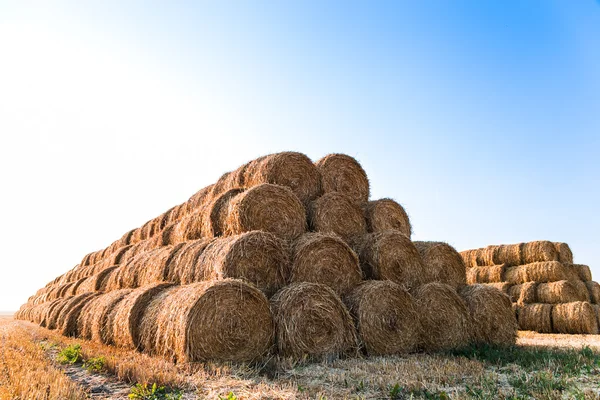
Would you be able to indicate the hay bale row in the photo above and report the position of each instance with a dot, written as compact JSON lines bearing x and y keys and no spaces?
{"x":573,"y":318}
{"x":518,"y":254}
{"x":488,"y":274}
{"x":550,"y":271}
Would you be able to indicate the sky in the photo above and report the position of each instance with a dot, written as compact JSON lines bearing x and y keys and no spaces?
{"x":481,"y":118}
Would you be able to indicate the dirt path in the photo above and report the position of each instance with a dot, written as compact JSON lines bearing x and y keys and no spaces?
{"x":527,"y":338}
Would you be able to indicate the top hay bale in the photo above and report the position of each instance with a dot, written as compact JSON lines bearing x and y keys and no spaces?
{"x":539,"y":251}
{"x":342,"y":173}
{"x":387,"y":214}
{"x":565,"y":255}
{"x":443,"y":263}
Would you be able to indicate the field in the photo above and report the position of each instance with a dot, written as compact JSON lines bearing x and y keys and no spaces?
{"x":39,"y":364}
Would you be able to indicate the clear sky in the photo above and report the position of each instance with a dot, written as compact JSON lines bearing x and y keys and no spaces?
{"x":481,"y":117}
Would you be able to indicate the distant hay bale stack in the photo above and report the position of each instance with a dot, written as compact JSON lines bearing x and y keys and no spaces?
{"x":575,"y":318}
{"x":491,"y":314}
{"x":525,"y":293}
{"x":67,"y":321}
{"x":227,"y":320}
{"x":501,"y":286}
{"x":184,"y":259}
{"x":535,"y":317}
{"x":580,"y":272}
{"x":391,"y":255}
{"x":550,"y":271}
{"x":128,"y":313}
{"x":594,"y":291}
{"x":342,"y":173}
{"x":470,"y":258}
{"x":565,"y":255}
{"x":339,"y":214}
{"x":385,"y":215}
{"x":311,"y":320}
{"x":386,"y":317}
{"x":488,"y":274}
{"x":562,"y":292}
{"x":215,"y":218}
{"x":289,"y":169}
{"x":257,"y":257}
{"x":539,"y":251}
{"x":443,"y":263}
{"x":326,"y":259}
{"x":269,"y":208}
{"x":444,"y":316}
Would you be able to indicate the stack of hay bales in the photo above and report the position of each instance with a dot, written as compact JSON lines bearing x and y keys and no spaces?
{"x":281,"y":256}
{"x":549,"y":292}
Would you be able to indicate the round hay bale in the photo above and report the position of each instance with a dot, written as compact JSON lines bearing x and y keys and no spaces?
{"x":67,"y":321}
{"x":338,"y":213}
{"x":325,"y":259}
{"x":184,"y":259}
{"x":386,"y":317}
{"x":535,"y":317}
{"x":391,"y":255}
{"x":565,"y":255}
{"x":491,"y":274}
{"x":154,"y":268}
{"x":470,"y":258}
{"x":215,"y":219}
{"x":562,"y":292}
{"x":227,"y":320}
{"x":290,"y":169}
{"x":385,"y":215}
{"x":342,"y":173}
{"x":551,"y":271}
{"x":269,"y":208}
{"x":594,"y":291}
{"x":576,"y":318}
{"x":311,"y":320}
{"x":46,"y":310}
{"x":189,"y":227}
{"x":54,"y":312}
{"x":491,"y":314}
{"x":115,"y":258}
{"x":105,"y":279}
{"x":95,"y":320}
{"x":128,"y":313}
{"x":501,"y":286}
{"x":126,"y":239}
{"x":443,"y":263}
{"x":539,"y":251}
{"x":444,"y":317}
{"x":580,"y":272}
{"x":525,"y":293}
{"x":257,"y":257}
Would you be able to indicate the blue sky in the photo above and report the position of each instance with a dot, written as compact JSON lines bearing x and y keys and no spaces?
{"x":481,"y":118}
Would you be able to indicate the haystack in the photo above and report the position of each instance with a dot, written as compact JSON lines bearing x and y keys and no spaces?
{"x":215,"y":218}
{"x":311,"y":320}
{"x":550,"y":271}
{"x":226,"y":320}
{"x":594,"y":291}
{"x":385,"y":215}
{"x":257,"y":257}
{"x":444,"y":317}
{"x":386,"y":317}
{"x":391,"y":255}
{"x":539,"y":251}
{"x":565,"y":255}
{"x":491,"y":314}
{"x":488,"y":274}
{"x":535,"y":317}
{"x":443,"y":263}
{"x":342,"y":173}
{"x":128,"y":313}
{"x":577,"y":318}
{"x":269,"y":208}
{"x":339,"y":214}
{"x":326,"y":259}
{"x":562,"y":292}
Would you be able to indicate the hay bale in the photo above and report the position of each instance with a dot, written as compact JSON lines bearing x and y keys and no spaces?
{"x":67,"y":321}
{"x":444,"y":317}
{"x":128,"y":313}
{"x":342,"y":173}
{"x":215,"y":219}
{"x":227,"y":320}
{"x":551,"y":271}
{"x":54,"y":311}
{"x":562,"y":292}
{"x":535,"y":317}
{"x":385,"y":215}
{"x":470,"y":258}
{"x":501,"y":286}
{"x":154,"y":268}
{"x":580,"y":272}
{"x":339,"y":214}
{"x":96,"y":318}
{"x":311,"y":320}
{"x":189,"y":227}
{"x":289,"y":169}
{"x":509,"y":254}
{"x":491,"y":274}
{"x":525,"y":293}
{"x":575,"y":318}
{"x":491,"y":314}
{"x":386,"y":317}
{"x":565,"y":255}
{"x":539,"y":251}
{"x":594,"y":291}
{"x":443,"y":263}
{"x":391,"y":255}
{"x":197,"y":201}
{"x":326,"y":259}
{"x":269,"y":208}
{"x":184,"y":259}
{"x":257,"y":257}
